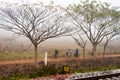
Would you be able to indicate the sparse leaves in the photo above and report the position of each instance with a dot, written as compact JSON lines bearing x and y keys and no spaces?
{"x":95,"y":19}
{"x":37,"y":23}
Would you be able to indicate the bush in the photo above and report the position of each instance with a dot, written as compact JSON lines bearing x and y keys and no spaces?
{"x":40,"y":72}
{"x":45,"y":71}
{"x":16,"y":76}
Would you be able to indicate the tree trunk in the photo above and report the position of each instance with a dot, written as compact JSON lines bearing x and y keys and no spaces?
{"x":104,"y":51}
{"x":83,"y":52}
{"x":36,"y":55}
{"x":94,"y":50}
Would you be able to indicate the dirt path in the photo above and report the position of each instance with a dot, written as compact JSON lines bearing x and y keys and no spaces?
{"x":31,"y":60}
{"x":49,"y":59}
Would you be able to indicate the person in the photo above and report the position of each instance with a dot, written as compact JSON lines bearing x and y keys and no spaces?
{"x":68,"y":54}
{"x":76,"y":53}
{"x":56,"y":53}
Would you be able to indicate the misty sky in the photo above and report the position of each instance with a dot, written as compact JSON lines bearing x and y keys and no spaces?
{"x":59,"y":2}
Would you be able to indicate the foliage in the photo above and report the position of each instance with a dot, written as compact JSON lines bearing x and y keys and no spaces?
{"x":16,"y":76}
{"x":35,"y":73}
{"x":44,"y":71}
{"x":95,"y":19}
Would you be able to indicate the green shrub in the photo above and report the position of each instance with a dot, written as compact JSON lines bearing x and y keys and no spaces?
{"x":16,"y":76}
{"x":45,"y":71}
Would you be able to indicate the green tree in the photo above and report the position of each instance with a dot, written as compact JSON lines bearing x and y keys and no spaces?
{"x":81,"y":41}
{"x":109,"y":38}
{"x":95,"y":19}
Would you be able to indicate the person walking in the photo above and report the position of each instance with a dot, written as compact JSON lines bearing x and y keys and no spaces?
{"x":56,"y":53}
{"x":68,"y":54}
{"x":76,"y":53}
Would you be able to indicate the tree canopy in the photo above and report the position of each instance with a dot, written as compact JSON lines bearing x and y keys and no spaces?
{"x":37,"y":23}
{"x":95,"y":19}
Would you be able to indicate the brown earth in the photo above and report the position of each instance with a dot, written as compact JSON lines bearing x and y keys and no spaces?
{"x":49,"y":59}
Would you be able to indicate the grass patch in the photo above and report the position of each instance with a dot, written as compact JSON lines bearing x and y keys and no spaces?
{"x":29,"y":55}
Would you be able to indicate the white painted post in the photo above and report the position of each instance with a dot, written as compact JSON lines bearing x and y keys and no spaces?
{"x":45,"y":59}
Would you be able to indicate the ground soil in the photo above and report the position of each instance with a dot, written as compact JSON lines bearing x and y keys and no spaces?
{"x":49,"y":59}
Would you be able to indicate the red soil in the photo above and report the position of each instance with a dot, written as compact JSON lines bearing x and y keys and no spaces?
{"x":49,"y":59}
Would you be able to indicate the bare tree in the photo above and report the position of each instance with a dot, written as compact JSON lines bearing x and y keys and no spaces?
{"x":81,"y":42}
{"x":108,"y":38}
{"x":94,"y":19}
{"x":0,"y":44}
{"x":37,"y":23}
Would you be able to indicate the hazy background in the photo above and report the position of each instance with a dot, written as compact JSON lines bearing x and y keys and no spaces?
{"x":7,"y":38}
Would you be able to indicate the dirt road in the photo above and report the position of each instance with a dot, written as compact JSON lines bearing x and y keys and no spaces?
{"x":31,"y":60}
{"x":49,"y":59}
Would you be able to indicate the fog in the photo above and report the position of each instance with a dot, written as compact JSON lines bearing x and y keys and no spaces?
{"x":61,"y":43}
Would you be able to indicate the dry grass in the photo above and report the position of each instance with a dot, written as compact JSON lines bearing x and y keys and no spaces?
{"x":80,"y":65}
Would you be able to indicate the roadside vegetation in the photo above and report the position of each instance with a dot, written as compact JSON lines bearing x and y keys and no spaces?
{"x":27,"y":71}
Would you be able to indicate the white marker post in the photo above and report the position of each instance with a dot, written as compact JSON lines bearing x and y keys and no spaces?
{"x":45,"y":59}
